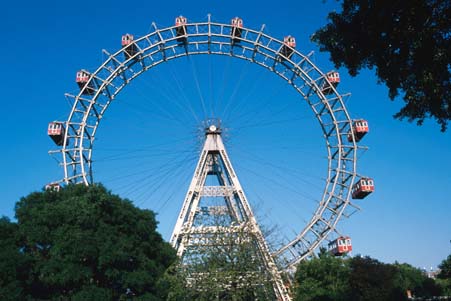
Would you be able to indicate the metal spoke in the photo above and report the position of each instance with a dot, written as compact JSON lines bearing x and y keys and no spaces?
{"x":255,"y":46}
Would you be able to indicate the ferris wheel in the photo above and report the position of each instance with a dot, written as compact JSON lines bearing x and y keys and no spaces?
{"x":342,"y":134}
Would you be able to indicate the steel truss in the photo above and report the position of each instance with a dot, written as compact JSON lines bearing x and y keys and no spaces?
{"x":241,"y":224}
{"x":255,"y":46}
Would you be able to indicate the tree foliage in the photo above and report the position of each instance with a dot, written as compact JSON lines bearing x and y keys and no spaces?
{"x":409,"y":44}
{"x":445,"y":268}
{"x":445,"y":275}
{"x":322,"y":279}
{"x":228,"y":268}
{"x":82,"y":243}
{"x":371,"y":280}
{"x":13,"y":264}
{"x":359,"y":279}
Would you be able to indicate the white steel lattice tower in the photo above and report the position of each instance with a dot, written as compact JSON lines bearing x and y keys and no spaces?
{"x":216,"y":206}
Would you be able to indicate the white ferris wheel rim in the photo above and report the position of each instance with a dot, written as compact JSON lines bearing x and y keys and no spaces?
{"x":255,"y":46}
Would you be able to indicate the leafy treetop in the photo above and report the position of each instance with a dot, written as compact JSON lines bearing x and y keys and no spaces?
{"x":409,"y":44}
{"x":82,"y":243}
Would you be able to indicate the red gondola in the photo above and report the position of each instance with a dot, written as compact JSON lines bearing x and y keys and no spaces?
{"x":362,"y":188}
{"x":56,"y":131}
{"x":53,"y":187}
{"x":289,"y":43}
{"x":360,"y":128}
{"x":237,"y":28}
{"x":129,"y":45}
{"x":340,"y":246}
{"x":334,"y":79}
{"x":82,"y":80}
{"x":180,"y":30}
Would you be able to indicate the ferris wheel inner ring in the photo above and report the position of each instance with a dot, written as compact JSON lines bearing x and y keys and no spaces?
{"x":254,"y":46}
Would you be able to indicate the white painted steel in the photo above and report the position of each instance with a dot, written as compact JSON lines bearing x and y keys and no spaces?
{"x":212,"y":150}
{"x":255,"y":46}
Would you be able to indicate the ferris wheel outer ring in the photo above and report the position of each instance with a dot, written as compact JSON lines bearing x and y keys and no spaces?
{"x":209,"y":38}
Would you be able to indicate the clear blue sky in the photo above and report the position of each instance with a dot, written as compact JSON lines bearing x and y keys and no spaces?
{"x":147,"y":146}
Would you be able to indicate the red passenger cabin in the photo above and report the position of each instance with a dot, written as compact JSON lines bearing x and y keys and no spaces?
{"x":53,"y":187}
{"x":56,"y":131}
{"x":359,"y":128}
{"x":82,"y":80}
{"x":340,"y":246}
{"x":128,"y":45}
{"x":289,"y":43}
{"x":362,"y":188}
{"x":334,"y":79}
{"x":180,"y":29}
{"x":237,"y":28}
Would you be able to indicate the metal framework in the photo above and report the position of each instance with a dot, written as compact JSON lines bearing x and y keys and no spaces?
{"x":240,"y":224}
{"x":211,"y":38}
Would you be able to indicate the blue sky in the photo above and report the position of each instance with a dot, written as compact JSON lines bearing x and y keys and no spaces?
{"x":147,"y":146}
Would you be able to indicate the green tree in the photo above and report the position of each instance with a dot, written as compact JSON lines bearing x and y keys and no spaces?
{"x":13,"y":264}
{"x":359,"y":279}
{"x":371,"y":280}
{"x":84,"y":243}
{"x":445,"y":268}
{"x":416,"y":281}
{"x":323,"y":278}
{"x":444,"y":277}
{"x":409,"y":44}
{"x":229,"y":267}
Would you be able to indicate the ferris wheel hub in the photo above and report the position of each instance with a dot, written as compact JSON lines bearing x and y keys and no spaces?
{"x":212,"y":126}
